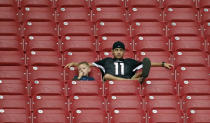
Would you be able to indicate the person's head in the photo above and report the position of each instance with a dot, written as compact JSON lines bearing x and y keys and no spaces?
{"x":118,"y":49}
{"x":84,"y":68}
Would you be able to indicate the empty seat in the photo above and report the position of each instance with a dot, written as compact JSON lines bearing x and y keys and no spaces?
{"x":84,"y":88}
{"x":11,"y":58}
{"x":112,"y":29}
{"x":187,"y":43}
{"x":107,"y":3}
{"x":73,"y":14}
{"x":148,"y":29}
{"x":201,"y":116}
{"x":9,"y":28}
{"x":138,"y":3}
{"x":203,"y":3}
{"x":78,"y":43}
{"x":111,"y":14}
{"x":8,"y":3}
{"x":13,"y":72}
{"x":179,"y":4}
{"x":198,"y":59}
{"x":8,"y":14}
{"x":109,"y":54}
{"x":126,"y":87}
{"x":206,"y":29}
{"x":205,"y":15}
{"x":37,"y":3}
{"x":160,"y":73}
{"x":180,"y":14}
{"x":10,"y":43}
{"x":145,"y":14}
{"x":44,"y":58}
{"x":7,"y":102}
{"x":151,"y":43}
{"x":72,"y":3}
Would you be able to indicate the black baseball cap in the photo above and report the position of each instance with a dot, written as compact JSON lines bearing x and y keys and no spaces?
{"x":118,"y":44}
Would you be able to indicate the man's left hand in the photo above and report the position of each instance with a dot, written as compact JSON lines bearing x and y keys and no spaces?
{"x":168,"y":66}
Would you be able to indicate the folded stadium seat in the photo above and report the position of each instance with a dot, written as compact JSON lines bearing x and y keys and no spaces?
{"x":72,"y":3}
{"x":50,"y":116}
{"x":89,"y":116}
{"x":112,"y":29}
{"x":162,"y":102}
{"x":127,"y":54}
{"x":105,"y":42}
{"x":194,"y":87}
{"x":208,"y":46}
{"x":38,"y":14}
{"x":13,"y":72}
{"x":111,"y":14}
{"x":124,"y":87}
{"x":8,"y":14}
{"x":203,"y":4}
{"x":107,"y":3}
{"x":179,"y":3}
{"x":187,"y":43}
{"x":44,"y":58}
{"x":127,"y":116}
{"x":49,"y":102}
{"x":13,"y":87}
{"x":191,"y":73}
{"x":84,"y":88}
{"x":87,"y":103}
{"x":124,"y":103}
{"x":154,"y":56}
{"x":151,"y":43}
{"x":15,"y":116}
{"x":198,"y":116}
{"x":8,"y":3}
{"x":73,"y":71}
{"x":73,"y":14}
{"x":37,"y":3}
{"x":40,"y":29}
{"x":205,"y":15}
{"x":7,"y":102}
{"x":78,"y":43}
{"x":142,"y":4}
{"x":158,"y":87}
{"x":10,"y":43}
{"x":180,"y":14}
{"x":76,"y":29}
{"x":196,"y":59}
{"x":206,"y":29}
{"x":165,"y":116}
{"x":47,"y":87}
{"x":9,"y":28}
{"x":196,"y":103}
{"x":148,"y":29}
{"x":45,"y":73}
{"x":41,"y":43}
{"x":12,"y":58}
{"x":183,"y":29}
{"x":145,"y":15}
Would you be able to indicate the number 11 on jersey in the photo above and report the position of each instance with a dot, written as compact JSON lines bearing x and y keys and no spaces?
{"x":116,"y":64}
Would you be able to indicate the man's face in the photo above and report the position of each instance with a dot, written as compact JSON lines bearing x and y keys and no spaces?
{"x":118,"y":53}
{"x":83,"y":68}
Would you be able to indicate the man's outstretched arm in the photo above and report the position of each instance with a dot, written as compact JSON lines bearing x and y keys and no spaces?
{"x":163,"y":64}
{"x":75,"y":64}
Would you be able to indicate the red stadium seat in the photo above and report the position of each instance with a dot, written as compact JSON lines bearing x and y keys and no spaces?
{"x":107,"y":3}
{"x":76,"y":29}
{"x":87,"y":103}
{"x":203,"y":3}
{"x":160,"y":74}
{"x":78,"y":43}
{"x":111,"y":14}
{"x":145,"y":14}
{"x":72,"y":3}
{"x":13,"y":87}
{"x":180,"y":14}
{"x":151,"y":43}
{"x":41,"y":43}
{"x":47,"y":87}
{"x":84,"y":88}
{"x":8,"y":58}
{"x":179,"y":3}
{"x":105,"y":42}
{"x":89,"y":116}
{"x":139,"y":3}
{"x":187,"y":43}
{"x":148,"y":29}
{"x":112,"y":29}
{"x":44,"y":58}
{"x":8,"y":3}
{"x":192,"y":73}
{"x":198,"y":59}
{"x":206,"y":29}
{"x":73,"y":14}
{"x":13,"y":72}
{"x":198,"y":116}
{"x":124,"y":103}
{"x":8,"y":14}
{"x":109,"y":54}
{"x":7,"y":102}
{"x":10,"y":43}
{"x":9,"y":28}
{"x":40,"y":29}
{"x":14,"y":116}
{"x":126,"y":87}
{"x":205,"y":15}
{"x":37,"y":3}
{"x":128,"y":116}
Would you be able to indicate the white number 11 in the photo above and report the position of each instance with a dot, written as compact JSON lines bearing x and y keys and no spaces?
{"x":116,"y":68}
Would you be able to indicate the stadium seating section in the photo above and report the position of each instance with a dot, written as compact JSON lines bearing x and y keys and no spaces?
{"x":39,"y":37}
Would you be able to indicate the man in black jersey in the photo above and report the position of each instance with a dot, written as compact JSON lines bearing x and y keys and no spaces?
{"x":118,"y":68}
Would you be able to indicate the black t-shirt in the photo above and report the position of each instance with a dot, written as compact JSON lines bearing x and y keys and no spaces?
{"x":124,"y":68}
